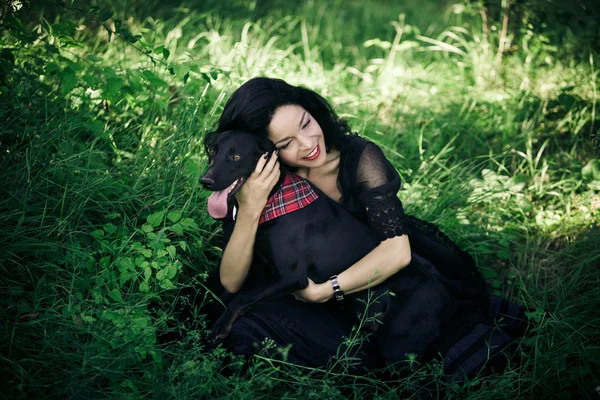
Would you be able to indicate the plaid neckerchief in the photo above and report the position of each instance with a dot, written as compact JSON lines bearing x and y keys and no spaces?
{"x":295,"y":193}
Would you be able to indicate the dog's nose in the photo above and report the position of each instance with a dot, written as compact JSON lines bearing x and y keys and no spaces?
{"x":207,"y":182}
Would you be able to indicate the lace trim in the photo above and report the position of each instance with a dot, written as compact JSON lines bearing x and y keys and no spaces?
{"x":386,"y":216}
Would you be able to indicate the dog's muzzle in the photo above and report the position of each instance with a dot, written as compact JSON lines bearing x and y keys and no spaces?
{"x":207,"y":183}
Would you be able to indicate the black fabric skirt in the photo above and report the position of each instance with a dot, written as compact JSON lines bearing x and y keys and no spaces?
{"x":316,"y":335}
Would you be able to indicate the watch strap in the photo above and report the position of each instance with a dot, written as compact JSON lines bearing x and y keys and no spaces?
{"x":337,"y":291}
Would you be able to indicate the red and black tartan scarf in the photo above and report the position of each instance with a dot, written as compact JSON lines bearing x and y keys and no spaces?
{"x":295,"y":193}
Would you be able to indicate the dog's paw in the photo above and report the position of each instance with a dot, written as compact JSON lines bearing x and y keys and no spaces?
{"x":215,"y":340}
{"x":220,"y":330}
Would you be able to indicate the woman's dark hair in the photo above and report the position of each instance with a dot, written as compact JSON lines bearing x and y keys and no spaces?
{"x":252,"y":106}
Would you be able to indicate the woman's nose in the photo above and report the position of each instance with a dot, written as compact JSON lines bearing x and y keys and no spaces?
{"x":304,"y":141}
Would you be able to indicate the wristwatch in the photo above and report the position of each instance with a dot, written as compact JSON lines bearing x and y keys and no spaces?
{"x":337,"y":291}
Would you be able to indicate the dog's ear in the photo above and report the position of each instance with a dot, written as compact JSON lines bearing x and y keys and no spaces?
{"x":265,"y":145}
{"x":210,"y":138}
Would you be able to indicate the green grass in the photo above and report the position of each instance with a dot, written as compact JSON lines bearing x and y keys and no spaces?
{"x":103,"y":217}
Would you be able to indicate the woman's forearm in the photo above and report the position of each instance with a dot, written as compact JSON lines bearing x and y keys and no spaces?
{"x":251,"y":198}
{"x":382,"y":262}
{"x":237,"y":256}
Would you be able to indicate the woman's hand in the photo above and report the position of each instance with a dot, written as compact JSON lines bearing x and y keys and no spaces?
{"x":252,"y":196}
{"x":314,"y":292}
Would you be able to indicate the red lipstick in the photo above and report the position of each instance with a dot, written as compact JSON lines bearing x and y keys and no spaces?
{"x":314,"y":156}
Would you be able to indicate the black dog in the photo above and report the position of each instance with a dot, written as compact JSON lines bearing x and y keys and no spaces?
{"x":318,"y":241}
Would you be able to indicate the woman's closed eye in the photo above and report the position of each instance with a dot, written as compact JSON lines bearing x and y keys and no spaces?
{"x":288,"y":143}
{"x":285,"y":145}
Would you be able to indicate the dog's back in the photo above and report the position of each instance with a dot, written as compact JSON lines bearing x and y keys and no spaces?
{"x":317,"y":241}
{"x":324,"y":239}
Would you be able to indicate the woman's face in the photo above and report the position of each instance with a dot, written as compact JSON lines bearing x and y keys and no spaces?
{"x":298,"y":137}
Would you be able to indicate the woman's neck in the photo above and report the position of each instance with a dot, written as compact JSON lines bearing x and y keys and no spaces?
{"x":330,"y":166}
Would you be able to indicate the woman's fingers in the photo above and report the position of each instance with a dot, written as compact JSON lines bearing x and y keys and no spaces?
{"x":258,"y":185}
{"x":298,"y":297}
{"x":274,"y":176}
{"x":270,"y":165}
{"x":261,"y":163}
{"x":270,"y":172}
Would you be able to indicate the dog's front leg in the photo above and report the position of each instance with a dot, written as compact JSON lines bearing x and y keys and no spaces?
{"x":245,"y":299}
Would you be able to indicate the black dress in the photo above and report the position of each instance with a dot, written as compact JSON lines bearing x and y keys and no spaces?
{"x":369,"y":184}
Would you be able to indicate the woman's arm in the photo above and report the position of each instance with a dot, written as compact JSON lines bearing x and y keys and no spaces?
{"x":389,"y":257}
{"x":238,"y":254}
{"x":252,"y":197}
{"x":377,"y":183}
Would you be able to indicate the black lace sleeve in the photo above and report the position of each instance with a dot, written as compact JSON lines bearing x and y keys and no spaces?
{"x":378,"y":183}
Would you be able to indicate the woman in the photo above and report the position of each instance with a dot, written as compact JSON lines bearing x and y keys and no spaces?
{"x":315,"y":144}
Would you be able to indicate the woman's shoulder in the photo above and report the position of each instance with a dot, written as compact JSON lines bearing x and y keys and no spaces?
{"x":353,"y":149}
{"x":363,"y":165}
{"x":353,"y":144}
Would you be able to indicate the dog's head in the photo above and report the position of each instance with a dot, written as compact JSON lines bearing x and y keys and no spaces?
{"x":233,"y":156}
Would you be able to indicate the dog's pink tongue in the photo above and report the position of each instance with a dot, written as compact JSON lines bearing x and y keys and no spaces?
{"x":217,"y":204}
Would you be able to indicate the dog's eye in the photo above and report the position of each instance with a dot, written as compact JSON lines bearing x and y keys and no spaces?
{"x":211,"y":152}
{"x":236,"y":157}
